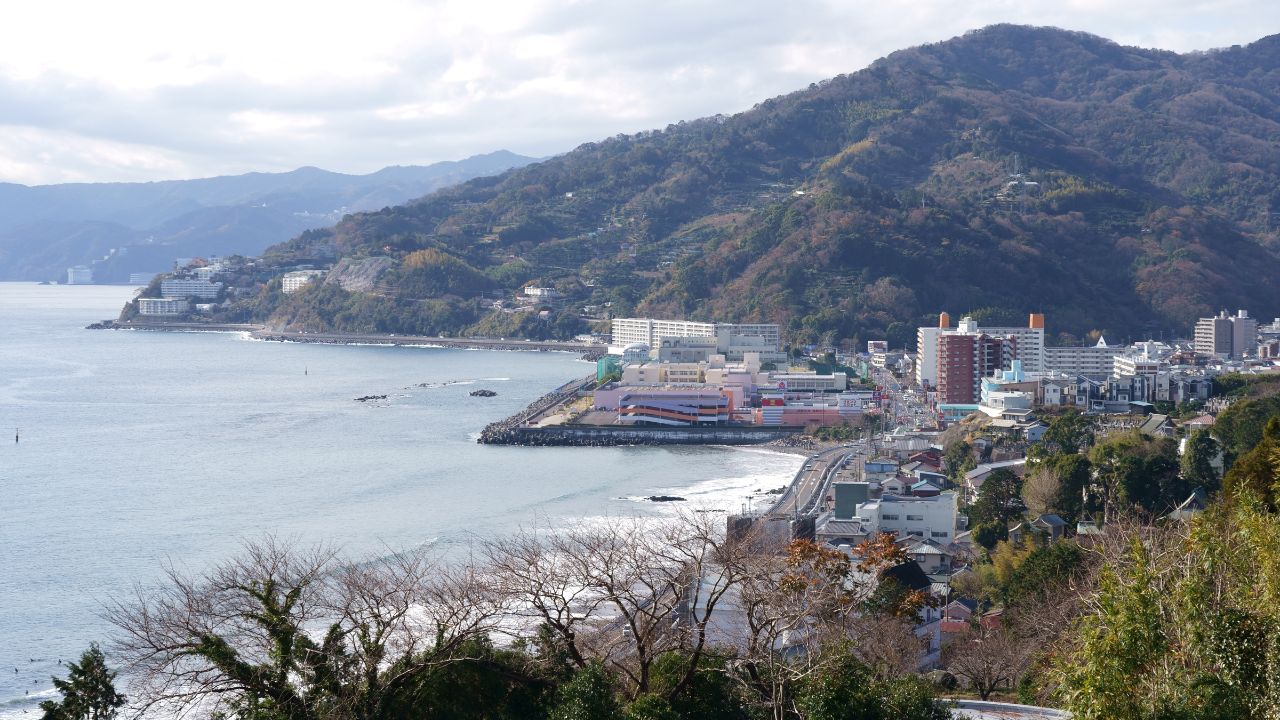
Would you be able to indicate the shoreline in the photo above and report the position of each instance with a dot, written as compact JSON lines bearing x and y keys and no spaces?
{"x":261,"y":332}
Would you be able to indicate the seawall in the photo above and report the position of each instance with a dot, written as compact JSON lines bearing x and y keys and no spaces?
{"x":605,"y":436}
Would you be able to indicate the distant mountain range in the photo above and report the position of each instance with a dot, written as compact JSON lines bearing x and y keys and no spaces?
{"x":47,"y":228}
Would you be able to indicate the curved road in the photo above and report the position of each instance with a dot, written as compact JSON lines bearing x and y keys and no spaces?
{"x":808,"y":481}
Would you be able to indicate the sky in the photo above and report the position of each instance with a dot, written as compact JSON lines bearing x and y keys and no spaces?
{"x":136,"y":90}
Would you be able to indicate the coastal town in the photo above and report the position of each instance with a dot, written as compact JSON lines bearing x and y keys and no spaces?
{"x":939,"y":445}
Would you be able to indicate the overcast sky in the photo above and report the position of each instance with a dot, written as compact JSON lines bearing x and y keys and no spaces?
{"x":132,"y":90}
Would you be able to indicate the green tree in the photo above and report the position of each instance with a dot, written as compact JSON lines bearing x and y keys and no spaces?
{"x":959,"y":460}
{"x":999,"y":498}
{"x":1256,"y":471}
{"x":848,"y":689}
{"x":1043,"y":569}
{"x":589,"y":695}
{"x":1074,"y":473}
{"x":901,"y":336}
{"x":88,"y":693}
{"x":989,"y":533}
{"x":1201,"y":450}
{"x":1069,"y":431}
{"x":1239,"y":427}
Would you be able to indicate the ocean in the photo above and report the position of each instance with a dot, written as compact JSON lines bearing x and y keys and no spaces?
{"x":139,"y":448}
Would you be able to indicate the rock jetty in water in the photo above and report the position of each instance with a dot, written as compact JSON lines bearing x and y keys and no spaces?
{"x":367,"y":398}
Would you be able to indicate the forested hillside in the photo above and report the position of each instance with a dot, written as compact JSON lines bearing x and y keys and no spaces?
{"x":875,"y":198}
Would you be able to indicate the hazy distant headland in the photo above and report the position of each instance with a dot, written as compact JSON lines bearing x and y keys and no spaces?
{"x":47,"y":228}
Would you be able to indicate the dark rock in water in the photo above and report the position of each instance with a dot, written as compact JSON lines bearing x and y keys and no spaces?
{"x":367,"y":398}
{"x":665,"y":498}
{"x":482,"y":393}
{"x":104,"y":325}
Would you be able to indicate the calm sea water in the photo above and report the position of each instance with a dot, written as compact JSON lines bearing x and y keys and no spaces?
{"x":137,"y":447}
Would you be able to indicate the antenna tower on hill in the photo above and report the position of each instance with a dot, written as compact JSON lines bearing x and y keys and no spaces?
{"x":1022,"y":187}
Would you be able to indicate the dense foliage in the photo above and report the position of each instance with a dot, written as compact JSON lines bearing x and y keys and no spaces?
{"x":868,"y":203}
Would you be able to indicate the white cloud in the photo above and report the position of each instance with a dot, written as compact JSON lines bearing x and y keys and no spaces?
{"x":143,"y":89}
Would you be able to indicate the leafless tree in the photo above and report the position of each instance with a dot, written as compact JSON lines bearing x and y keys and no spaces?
{"x":625,"y":590}
{"x":1040,"y":490}
{"x":987,"y":658}
{"x":295,"y":630}
{"x":887,"y":644}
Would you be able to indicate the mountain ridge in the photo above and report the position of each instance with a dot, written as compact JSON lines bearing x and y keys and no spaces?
{"x":867,"y":203}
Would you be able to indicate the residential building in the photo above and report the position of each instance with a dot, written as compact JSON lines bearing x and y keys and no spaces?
{"x":1024,"y":344}
{"x":79,"y":275}
{"x":967,"y":356}
{"x":1136,"y":365}
{"x":294,"y":281}
{"x":141,"y":278}
{"x":175,"y":287}
{"x":974,"y":479}
{"x":925,"y":517}
{"x":1056,"y":392}
{"x":1029,"y":346}
{"x":1227,"y":336}
{"x":932,"y":557}
{"x":1244,"y":335}
{"x":162,"y":306}
{"x":1097,"y":359}
{"x":542,"y":292}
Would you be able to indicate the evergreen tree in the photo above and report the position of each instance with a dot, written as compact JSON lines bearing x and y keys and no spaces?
{"x":88,"y":693}
{"x":588,"y":696}
{"x":1201,"y":450}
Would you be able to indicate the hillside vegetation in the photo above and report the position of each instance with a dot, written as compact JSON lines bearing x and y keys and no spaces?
{"x":872,"y":201}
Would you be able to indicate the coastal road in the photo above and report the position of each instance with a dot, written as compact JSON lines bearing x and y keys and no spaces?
{"x":809,"y":480}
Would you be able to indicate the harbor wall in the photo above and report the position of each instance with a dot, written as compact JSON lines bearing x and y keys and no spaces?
{"x":601,"y":436}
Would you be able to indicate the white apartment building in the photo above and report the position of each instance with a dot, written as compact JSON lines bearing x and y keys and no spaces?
{"x":189,"y":288}
{"x":733,"y":340}
{"x":162,"y":306}
{"x":1096,"y":359}
{"x":79,"y":275}
{"x":926,"y":517}
{"x":542,"y":292}
{"x":1030,"y":342}
{"x":1135,"y":365}
{"x":293,"y":282}
{"x":141,"y":278}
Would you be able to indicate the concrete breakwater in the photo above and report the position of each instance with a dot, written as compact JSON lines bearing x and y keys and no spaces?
{"x":613,"y":435}
{"x":494,"y":433}
{"x":262,"y":332}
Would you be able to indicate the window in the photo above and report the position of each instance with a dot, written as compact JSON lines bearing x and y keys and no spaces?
{"x":915,"y":517}
{"x":889,"y":517}
{"x":939,"y":534}
{"x":917,"y":533}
